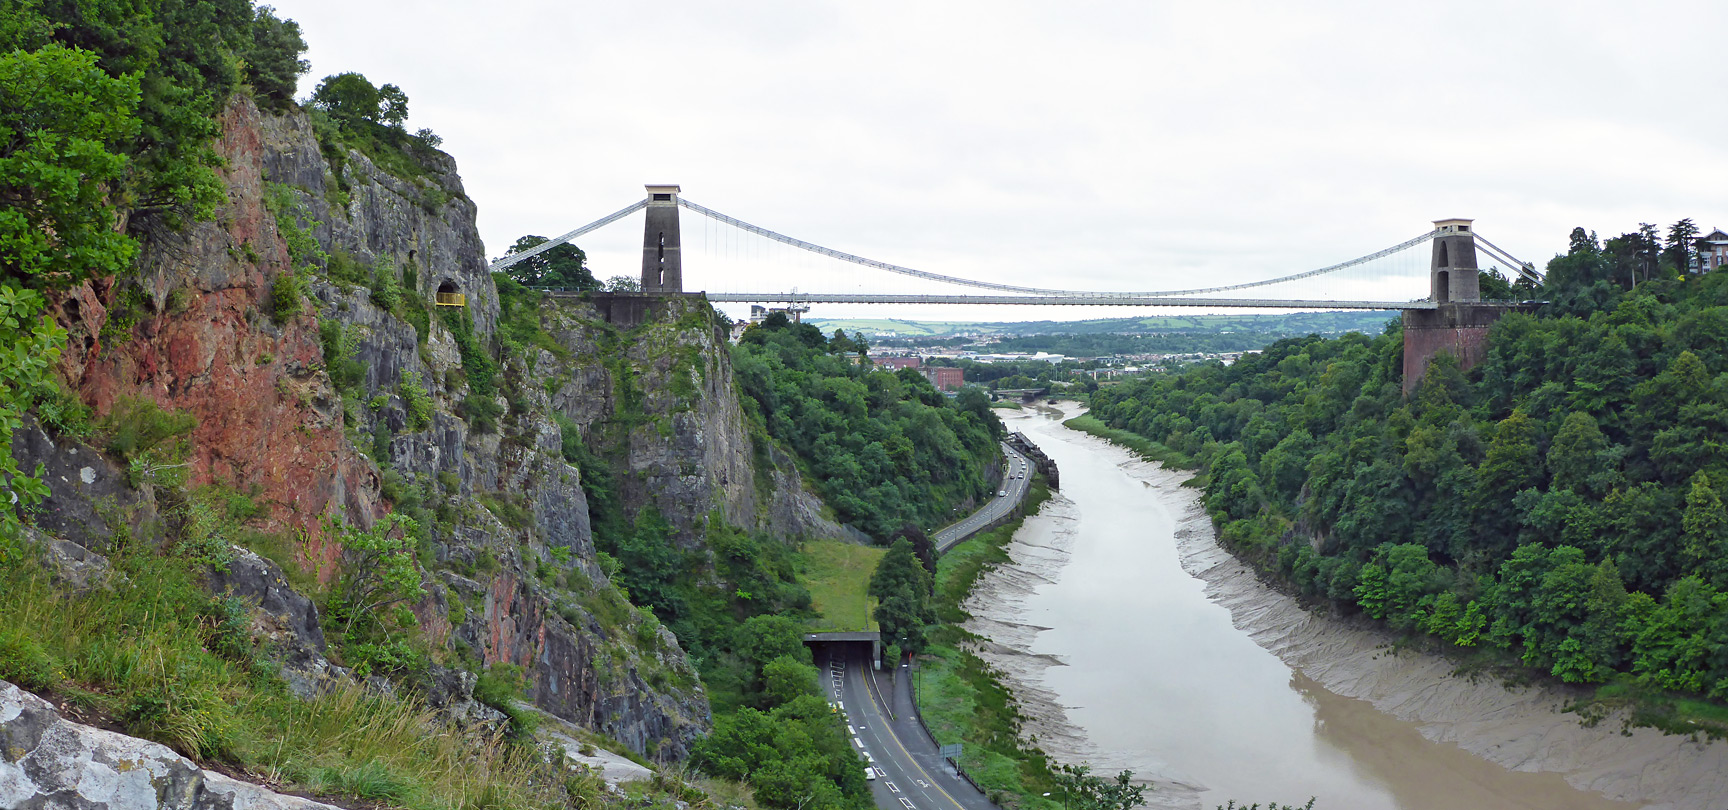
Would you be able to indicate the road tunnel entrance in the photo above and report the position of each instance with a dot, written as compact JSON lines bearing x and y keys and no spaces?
{"x":844,"y":645}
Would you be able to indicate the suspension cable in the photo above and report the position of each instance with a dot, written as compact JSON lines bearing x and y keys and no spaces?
{"x":966,"y":282}
{"x":1528,"y":271}
{"x":542,"y":248}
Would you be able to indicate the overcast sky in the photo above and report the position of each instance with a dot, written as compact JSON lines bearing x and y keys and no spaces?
{"x":1090,"y":145}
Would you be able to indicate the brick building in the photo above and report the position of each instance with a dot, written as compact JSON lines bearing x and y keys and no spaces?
{"x":944,"y":377}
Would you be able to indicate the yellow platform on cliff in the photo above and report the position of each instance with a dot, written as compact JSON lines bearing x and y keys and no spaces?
{"x":452,"y":300}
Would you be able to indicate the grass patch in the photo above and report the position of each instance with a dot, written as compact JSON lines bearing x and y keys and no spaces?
{"x":837,"y":574}
{"x":1666,"y":711}
{"x":963,"y":701}
{"x":961,"y":698}
{"x":157,"y":657}
{"x":1140,"y":445}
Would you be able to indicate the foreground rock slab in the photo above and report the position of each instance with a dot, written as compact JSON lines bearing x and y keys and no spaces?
{"x":47,"y":761}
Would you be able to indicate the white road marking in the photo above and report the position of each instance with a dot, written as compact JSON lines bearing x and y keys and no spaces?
{"x":892,"y":788}
{"x":907,"y":802}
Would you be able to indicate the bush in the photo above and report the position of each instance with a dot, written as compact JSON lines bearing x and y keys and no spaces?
{"x":340,"y":345}
{"x":287,"y":297}
{"x":386,"y":293}
{"x":151,"y":440}
{"x":482,"y":413}
{"x":500,"y":686}
{"x":419,"y":403}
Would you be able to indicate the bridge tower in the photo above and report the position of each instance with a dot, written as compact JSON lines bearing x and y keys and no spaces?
{"x":1459,"y":324}
{"x":662,"y":262}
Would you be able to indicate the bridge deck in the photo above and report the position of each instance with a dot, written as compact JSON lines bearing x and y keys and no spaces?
{"x":1056,"y":300}
{"x":1039,"y":300}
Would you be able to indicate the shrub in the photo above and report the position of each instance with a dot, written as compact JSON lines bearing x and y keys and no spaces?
{"x":499,"y":687}
{"x":482,"y":413}
{"x":419,"y":403}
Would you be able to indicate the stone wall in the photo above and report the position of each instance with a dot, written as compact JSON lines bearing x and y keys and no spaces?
{"x":1457,"y":329}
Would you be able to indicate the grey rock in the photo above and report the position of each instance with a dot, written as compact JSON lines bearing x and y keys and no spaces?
{"x":284,"y":617}
{"x":51,"y":762}
{"x":89,"y":498}
{"x":74,"y":567}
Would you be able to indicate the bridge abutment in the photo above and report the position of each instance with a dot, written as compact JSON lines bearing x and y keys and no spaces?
{"x":1458,"y":329}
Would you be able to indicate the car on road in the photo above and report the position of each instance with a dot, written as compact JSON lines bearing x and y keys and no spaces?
{"x":1002,"y":494}
{"x":870,"y":774}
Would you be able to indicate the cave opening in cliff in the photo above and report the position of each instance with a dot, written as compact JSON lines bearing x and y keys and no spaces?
{"x":450,"y":295}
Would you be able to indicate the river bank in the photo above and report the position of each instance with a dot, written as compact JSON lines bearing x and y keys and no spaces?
{"x":1414,"y":735}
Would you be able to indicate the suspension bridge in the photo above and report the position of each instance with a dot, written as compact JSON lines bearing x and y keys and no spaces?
{"x":1447,"y":275}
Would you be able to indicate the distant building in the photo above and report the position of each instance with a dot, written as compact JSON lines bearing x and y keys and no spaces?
{"x":945,"y":378}
{"x":1712,"y":251}
{"x":793,"y":313}
{"x":897,"y":363}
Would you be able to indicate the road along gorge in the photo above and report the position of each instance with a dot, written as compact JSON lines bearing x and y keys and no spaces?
{"x":1134,"y":641}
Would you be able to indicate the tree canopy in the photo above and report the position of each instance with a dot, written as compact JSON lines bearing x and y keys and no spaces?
{"x":883,"y":448}
{"x":563,"y":266}
{"x":1562,"y":501}
{"x":902,"y":588}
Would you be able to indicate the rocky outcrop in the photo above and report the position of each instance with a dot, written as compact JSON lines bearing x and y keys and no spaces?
{"x":284,"y":619}
{"x":89,"y":499}
{"x":51,"y":762}
{"x":661,"y":397}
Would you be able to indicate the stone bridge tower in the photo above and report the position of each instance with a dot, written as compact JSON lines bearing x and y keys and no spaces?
{"x":1458,"y":325}
{"x":662,"y":264}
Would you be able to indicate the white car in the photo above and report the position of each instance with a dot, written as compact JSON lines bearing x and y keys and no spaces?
{"x":1002,"y":494}
{"x":870,"y":774}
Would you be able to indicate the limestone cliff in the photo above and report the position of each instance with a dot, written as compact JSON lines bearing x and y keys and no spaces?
{"x":395,"y":417}
{"x":659,"y":398}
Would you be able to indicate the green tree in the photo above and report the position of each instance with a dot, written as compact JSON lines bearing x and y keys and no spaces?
{"x":1704,"y":539}
{"x":349,"y":98}
{"x":902,"y":587}
{"x":1514,"y":464}
{"x":622,"y":284}
{"x":1679,"y":250}
{"x":378,"y":568}
{"x":62,"y":120}
{"x":1083,"y":791}
{"x":562,"y":266}
{"x":1579,"y":457}
{"x":786,"y":679}
{"x":273,"y":63}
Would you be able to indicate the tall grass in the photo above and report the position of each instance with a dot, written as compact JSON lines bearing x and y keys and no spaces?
{"x":165,"y":661}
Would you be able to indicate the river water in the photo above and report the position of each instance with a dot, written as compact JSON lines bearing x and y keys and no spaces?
{"x":1135,"y":643}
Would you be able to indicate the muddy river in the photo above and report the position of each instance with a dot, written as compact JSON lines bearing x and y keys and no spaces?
{"x":1136,"y":643}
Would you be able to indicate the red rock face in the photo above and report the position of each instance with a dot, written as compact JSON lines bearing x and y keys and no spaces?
{"x":267,"y":415}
